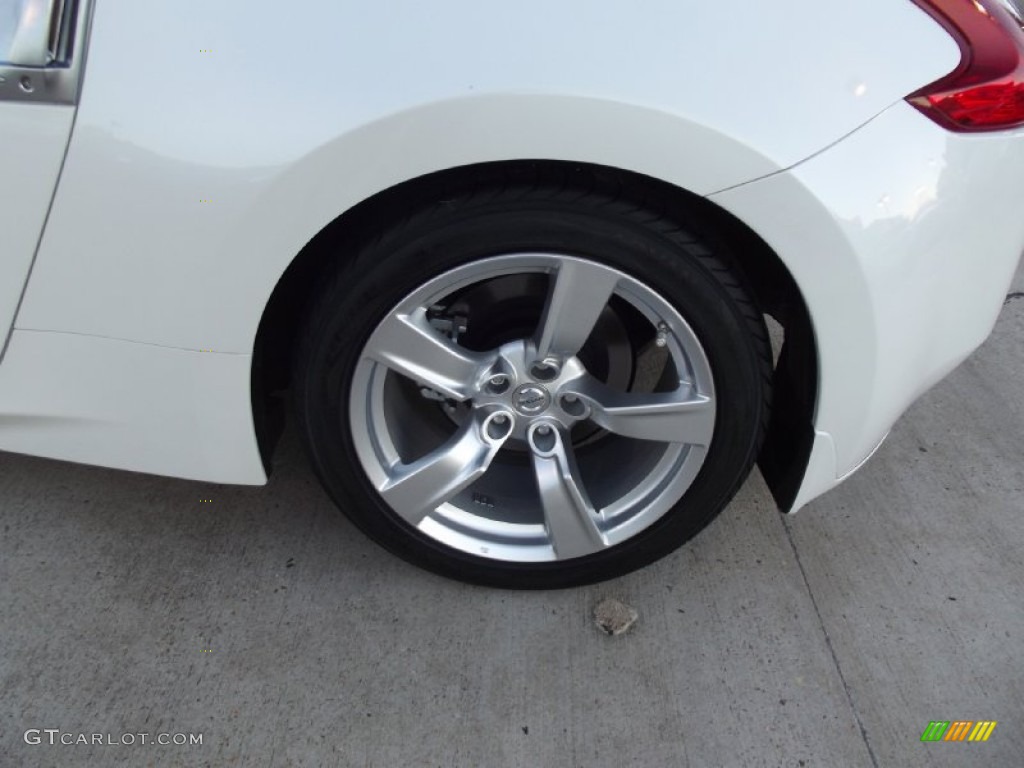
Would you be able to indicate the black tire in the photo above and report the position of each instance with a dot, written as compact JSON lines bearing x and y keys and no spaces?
{"x":586,"y":213}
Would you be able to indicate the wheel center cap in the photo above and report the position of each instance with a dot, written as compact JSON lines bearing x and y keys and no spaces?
{"x":531,"y":399}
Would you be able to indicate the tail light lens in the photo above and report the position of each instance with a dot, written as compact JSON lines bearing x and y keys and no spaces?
{"x":986,"y":91}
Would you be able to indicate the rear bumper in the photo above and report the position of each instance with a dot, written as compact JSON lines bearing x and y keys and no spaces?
{"x":903,"y":239}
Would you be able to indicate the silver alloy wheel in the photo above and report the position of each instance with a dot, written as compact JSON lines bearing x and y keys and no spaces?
{"x":505,"y":472}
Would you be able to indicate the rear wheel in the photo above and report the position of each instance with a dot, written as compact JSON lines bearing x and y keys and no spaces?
{"x":533,"y":387}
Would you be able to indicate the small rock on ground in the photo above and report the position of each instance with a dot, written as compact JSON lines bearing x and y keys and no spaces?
{"x":613,"y":617}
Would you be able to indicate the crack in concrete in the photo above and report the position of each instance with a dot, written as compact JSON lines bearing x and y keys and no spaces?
{"x":831,"y":648}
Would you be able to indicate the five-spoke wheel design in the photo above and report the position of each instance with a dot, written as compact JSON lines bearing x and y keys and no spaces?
{"x":531,"y":376}
{"x":532,"y":407}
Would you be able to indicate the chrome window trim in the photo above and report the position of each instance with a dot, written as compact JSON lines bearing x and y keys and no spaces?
{"x":59,"y":82}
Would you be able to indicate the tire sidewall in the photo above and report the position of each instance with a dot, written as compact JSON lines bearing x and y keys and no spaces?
{"x":657,"y":253}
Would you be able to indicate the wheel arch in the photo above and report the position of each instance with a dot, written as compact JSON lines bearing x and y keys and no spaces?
{"x":786,"y":449}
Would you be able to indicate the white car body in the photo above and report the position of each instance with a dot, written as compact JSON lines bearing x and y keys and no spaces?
{"x":147,"y":225}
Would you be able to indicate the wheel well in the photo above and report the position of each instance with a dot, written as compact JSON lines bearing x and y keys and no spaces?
{"x":786,"y":448}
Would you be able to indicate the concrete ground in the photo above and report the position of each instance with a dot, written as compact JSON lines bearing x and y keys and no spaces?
{"x":263,"y":621}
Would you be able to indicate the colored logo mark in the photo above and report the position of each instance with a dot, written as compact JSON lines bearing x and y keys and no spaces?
{"x":959,"y":730}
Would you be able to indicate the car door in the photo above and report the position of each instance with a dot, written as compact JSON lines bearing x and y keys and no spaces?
{"x":42,"y":44}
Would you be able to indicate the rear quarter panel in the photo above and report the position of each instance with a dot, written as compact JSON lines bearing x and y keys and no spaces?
{"x":214,"y":140}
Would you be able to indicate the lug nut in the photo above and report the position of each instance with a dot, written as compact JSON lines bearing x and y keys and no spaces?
{"x":498,"y":426}
{"x":498,"y":383}
{"x":545,"y":370}
{"x":543,"y":439}
{"x":573,"y":406}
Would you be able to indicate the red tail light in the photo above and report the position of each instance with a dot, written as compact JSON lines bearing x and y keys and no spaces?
{"x":986,"y":91}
